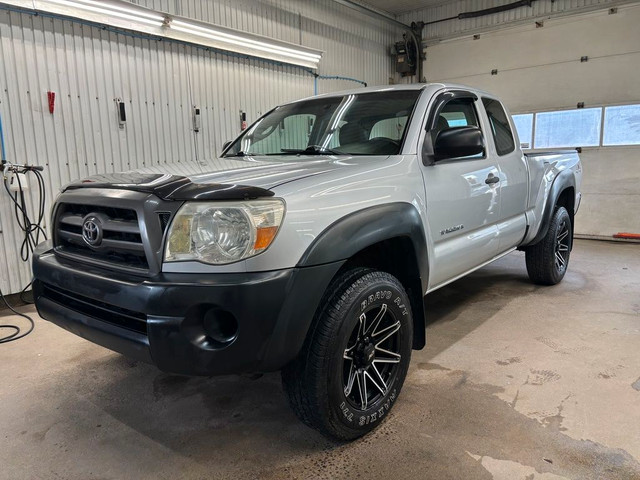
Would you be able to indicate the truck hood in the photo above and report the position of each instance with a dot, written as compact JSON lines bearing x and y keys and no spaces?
{"x":265,"y":174}
{"x":222,"y":178}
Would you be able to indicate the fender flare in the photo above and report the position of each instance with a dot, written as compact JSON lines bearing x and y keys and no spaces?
{"x":565,"y":179}
{"x":361,"y":229}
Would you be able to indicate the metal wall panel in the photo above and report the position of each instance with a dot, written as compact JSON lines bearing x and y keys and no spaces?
{"x":355,"y":45}
{"x":89,"y":68}
{"x":456,"y":27}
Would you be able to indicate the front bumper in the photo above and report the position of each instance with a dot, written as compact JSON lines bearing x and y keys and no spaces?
{"x":160,"y":320}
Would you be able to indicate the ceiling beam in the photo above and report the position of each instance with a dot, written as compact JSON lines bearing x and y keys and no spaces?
{"x":373,"y":13}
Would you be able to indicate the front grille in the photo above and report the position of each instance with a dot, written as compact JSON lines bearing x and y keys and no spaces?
{"x":121,"y":317}
{"x":121,"y":242}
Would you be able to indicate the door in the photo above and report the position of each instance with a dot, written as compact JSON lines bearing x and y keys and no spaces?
{"x":514,"y":177}
{"x":463,"y":195}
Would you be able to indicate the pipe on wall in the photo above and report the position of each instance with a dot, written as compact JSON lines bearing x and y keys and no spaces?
{"x":486,"y":11}
{"x":3,"y":157}
{"x":372,"y":13}
{"x":334,"y":77}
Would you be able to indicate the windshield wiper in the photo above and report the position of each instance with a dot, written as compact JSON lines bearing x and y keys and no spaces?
{"x":242,"y":154}
{"x":311,"y":150}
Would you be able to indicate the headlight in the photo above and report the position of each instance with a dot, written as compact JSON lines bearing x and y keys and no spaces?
{"x":223,"y":232}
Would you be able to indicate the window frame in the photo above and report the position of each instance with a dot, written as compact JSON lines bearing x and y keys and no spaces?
{"x":573,"y":145}
{"x":604,"y":123}
{"x":436,"y":108}
{"x":601,"y":143}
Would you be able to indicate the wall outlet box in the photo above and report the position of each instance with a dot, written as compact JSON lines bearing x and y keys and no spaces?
{"x":15,"y":185}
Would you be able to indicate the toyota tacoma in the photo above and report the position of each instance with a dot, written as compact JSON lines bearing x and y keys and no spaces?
{"x":308,"y":246}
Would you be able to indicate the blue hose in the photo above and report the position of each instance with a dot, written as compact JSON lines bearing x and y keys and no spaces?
{"x":334,"y":77}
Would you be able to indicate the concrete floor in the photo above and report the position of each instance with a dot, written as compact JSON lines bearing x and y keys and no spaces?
{"x":517,"y":382}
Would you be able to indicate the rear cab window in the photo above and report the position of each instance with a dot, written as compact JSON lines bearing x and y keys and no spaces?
{"x":500,"y":128}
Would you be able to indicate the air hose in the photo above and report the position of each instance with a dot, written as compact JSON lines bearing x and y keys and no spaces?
{"x":32,"y":230}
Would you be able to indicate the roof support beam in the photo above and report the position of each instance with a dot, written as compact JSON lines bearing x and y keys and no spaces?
{"x":372,"y":13}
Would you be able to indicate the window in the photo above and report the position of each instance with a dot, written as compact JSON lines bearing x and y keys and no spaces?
{"x":292,"y":132}
{"x":389,"y":128}
{"x":524,"y":127}
{"x":619,"y":125}
{"x":500,"y":128}
{"x":456,"y":113}
{"x":459,"y":112}
{"x":568,"y":128}
{"x":455,"y":119}
{"x":362,"y":124}
{"x":622,"y":125}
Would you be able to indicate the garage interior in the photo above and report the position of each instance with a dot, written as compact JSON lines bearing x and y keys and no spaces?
{"x":517,"y":381}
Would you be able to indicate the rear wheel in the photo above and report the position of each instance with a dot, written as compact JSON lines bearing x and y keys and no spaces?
{"x":547,"y":261}
{"x":355,"y":358}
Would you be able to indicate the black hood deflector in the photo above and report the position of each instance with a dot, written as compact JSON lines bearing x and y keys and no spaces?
{"x":171,"y":187}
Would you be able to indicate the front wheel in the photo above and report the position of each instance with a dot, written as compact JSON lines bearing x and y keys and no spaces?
{"x":354,"y":361}
{"x":547,"y":260}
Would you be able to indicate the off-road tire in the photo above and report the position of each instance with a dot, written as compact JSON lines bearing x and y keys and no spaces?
{"x":547,"y":260}
{"x":335,"y":351}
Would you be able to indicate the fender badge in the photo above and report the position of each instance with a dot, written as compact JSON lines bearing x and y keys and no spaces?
{"x":451,"y":229}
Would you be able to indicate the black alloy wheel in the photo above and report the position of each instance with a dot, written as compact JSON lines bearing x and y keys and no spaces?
{"x":372,"y":357}
{"x":547,"y":260}
{"x":349,"y":373}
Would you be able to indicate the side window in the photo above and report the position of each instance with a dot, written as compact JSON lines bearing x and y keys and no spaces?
{"x":456,"y":113}
{"x":460,"y":113}
{"x":502,"y":135}
{"x":455,"y":119}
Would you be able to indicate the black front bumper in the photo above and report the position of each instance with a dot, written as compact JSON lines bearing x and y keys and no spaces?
{"x":160,"y":320}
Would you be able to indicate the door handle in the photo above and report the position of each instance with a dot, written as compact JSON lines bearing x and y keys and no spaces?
{"x":492,"y":179}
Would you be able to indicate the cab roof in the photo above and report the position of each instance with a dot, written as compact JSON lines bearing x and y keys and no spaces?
{"x":434,"y":87}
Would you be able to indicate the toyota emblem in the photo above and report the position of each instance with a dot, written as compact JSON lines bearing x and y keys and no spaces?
{"x":92,"y":231}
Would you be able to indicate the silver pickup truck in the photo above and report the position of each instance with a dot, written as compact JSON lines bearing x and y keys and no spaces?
{"x":309,"y":245}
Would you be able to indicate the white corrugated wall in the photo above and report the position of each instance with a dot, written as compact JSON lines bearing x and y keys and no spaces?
{"x":453,"y":28}
{"x":88,"y":68}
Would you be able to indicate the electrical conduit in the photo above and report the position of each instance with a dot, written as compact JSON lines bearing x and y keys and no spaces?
{"x":333,"y":77}
{"x":2,"y":155}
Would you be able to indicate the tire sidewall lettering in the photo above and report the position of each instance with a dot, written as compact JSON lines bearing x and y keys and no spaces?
{"x":374,"y":297}
{"x":379,"y":412}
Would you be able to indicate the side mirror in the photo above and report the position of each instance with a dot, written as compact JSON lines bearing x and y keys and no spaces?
{"x":226,"y":144}
{"x":458,"y":142}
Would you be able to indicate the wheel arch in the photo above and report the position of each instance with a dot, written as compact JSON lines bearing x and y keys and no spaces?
{"x":561,"y":193}
{"x":387,"y":237}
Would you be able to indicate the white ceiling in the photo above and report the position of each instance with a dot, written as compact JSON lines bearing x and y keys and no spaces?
{"x":400,"y":6}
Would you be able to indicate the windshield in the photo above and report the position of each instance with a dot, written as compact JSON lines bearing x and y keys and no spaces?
{"x":363,"y":124}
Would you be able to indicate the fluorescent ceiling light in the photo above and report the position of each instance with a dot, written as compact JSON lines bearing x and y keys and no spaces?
{"x":131,"y":11}
{"x":115,"y":10}
{"x":122,"y":14}
{"x":241,"y":43}
{"x":221,"y":36}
